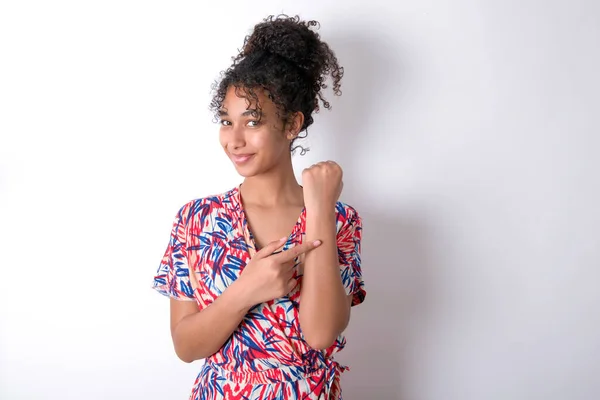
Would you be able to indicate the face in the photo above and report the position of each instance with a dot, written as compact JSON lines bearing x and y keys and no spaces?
{"x":256,"y":144}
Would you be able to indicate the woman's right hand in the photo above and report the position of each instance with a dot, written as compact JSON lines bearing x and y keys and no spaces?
{"x":269,"y":276}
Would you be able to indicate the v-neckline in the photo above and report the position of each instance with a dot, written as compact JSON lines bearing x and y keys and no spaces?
{"x":247,"y":232}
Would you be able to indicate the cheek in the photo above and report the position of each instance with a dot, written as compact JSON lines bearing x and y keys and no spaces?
{"x":259,"y":140}
{"x":271,"y":140}
{"x":222,"y":138}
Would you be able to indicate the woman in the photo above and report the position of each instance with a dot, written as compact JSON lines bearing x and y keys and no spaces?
{"x":267,"y":314}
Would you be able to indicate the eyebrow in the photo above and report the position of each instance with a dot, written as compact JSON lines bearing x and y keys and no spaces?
{"x":249,"y":112}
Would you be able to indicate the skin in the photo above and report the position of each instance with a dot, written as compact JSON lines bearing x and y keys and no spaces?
{"x":259,"y":150}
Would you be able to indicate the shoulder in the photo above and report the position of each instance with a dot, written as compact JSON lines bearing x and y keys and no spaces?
{"x":346,"y":215}
{"x":345,"y":211}
{"x":199,"y":209}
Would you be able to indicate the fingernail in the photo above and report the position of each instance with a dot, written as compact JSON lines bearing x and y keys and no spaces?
{"x":317,"y":242}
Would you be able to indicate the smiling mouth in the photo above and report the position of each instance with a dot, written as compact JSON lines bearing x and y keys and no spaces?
{"x":242,"y":158}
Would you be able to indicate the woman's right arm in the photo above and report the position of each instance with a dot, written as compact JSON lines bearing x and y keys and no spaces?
{"x":198,"y":334}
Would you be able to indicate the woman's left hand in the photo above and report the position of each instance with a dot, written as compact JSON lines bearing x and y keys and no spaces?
{"x":323,"y":185}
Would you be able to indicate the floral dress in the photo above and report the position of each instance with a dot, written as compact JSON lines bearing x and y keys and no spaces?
{"x":266,"y":357}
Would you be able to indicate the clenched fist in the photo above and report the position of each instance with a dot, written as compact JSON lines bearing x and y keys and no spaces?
{"x":323,"y":185}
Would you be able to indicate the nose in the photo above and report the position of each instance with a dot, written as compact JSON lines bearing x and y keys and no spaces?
{"x":236,"y":139}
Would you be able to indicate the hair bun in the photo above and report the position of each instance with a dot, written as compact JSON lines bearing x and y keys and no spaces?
{"x":288,"y":38}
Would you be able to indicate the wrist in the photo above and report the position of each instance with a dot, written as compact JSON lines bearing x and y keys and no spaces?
{"x":320,"y":211}
{"x":241,"y":294}
{"x":321,"y":224}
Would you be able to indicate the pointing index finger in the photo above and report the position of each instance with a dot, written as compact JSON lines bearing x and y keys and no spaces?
{"x":270,"y":248}
{"x":294,"y":252}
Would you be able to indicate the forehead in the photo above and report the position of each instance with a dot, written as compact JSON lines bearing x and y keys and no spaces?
{"x":237,"y":100}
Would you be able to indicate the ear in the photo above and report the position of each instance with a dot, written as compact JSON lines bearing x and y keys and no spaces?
{"x":294,"y":125}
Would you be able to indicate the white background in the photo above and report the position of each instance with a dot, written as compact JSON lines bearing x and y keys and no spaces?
{"x":468,"y":131}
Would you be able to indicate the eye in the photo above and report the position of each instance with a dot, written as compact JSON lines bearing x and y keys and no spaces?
{"x":253,"y":123}
{"x":224,"y":122}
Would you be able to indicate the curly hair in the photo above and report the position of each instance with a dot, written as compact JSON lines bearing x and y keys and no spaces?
{"x":289,"y":61}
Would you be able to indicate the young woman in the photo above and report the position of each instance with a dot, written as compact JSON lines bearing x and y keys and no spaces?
{"x":267,"y":314}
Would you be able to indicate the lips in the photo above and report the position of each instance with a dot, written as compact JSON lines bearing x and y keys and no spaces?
{"x":241,"y":158}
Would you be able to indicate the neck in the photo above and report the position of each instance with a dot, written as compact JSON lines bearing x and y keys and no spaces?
{"x":276,"y":187}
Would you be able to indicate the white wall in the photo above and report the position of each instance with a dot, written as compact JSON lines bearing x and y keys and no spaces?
{"x":468,"y":131}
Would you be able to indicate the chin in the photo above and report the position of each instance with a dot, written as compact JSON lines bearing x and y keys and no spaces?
{"x":247,"y":171}
{"x":252,"y":168}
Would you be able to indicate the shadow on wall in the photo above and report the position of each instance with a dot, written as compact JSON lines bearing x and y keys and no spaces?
{"x":395,"y":265}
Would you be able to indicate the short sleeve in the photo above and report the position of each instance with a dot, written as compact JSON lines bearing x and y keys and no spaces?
{"x":172,"y":278}
{"x":349,"y":235}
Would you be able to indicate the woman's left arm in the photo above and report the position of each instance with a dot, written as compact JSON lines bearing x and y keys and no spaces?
{"x":324,"y":304}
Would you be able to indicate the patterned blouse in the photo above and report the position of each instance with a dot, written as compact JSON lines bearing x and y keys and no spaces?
{"x":266,"y":357}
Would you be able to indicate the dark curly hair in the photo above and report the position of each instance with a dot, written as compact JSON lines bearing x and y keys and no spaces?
{"x":288,"y":60}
